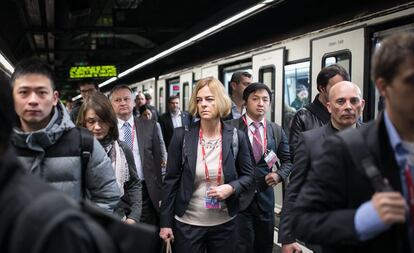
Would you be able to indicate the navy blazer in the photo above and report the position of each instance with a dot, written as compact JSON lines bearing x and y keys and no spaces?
{"x":178,"y":185}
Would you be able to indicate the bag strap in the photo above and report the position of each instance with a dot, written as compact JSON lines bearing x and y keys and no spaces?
{"x":86,"y":143}
{"x":362,"y":158}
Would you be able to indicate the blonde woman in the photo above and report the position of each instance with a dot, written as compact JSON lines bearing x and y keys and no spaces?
{"x":204,"y":177}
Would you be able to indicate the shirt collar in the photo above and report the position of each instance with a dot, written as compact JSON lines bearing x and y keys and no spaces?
{"x":130,"y":121}
{"x":395,"y":139}
{"x":175,"y":115}
{"x":250,"y":121}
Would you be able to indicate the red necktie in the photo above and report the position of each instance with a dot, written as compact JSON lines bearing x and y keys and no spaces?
{"x":257,"y":146}
{"x":410,"y":189}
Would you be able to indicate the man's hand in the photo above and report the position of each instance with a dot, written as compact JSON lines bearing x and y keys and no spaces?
{"x":130,"y":221}
{"x":272,"y":179}
{"x":291,"y":248}
{"x":221,"y":192}
{"x":390,"y":206}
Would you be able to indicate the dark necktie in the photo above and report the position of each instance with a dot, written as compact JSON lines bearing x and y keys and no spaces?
{"x":257,"y":145}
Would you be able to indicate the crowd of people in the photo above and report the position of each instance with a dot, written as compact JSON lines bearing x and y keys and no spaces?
{"x":206,"y":177}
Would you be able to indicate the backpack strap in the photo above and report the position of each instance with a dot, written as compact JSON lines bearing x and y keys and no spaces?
{"x":362,"y":158}
{"x":86,"y":142}
{"x":40,"y":219}
{"x":277,"y":133}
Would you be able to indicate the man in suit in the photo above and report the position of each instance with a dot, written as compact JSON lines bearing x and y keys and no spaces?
{"x":141,"y":136}
{"x":238,"y":82}
{"x":269,"y":149}
{"x":346,"y":209}
{"x":316,"y":114}
{"x":345,"y":106}
{"x":173,"y":118}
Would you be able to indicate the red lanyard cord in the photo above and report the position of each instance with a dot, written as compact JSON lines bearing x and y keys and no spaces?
{"x":410,"y":189}
{"x":203,"y":152}
{"x":264,"y":143}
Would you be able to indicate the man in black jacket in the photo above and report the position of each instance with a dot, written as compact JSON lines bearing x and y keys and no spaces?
{"x":173,"y":118}
{"x":256,"y":219}
{"x":343,"y":205}
{"x":316,"y":114}
{"x":86,"y":88}
{"x":19,"y":190}
{"x":345,"y":105}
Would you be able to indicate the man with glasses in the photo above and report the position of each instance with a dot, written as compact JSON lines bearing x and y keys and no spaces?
{"x":142,"y":137}
{"x":86,"y":87}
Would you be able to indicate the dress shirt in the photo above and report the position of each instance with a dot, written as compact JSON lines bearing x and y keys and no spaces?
{"x":135,"y":148}
{"x":176,"y":119}
{"x":234,"y":112}
{"x":367,"y":221}
{"x":252,"y":129}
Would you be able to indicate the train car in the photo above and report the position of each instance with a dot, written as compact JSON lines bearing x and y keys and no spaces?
{"x":293,"y":63}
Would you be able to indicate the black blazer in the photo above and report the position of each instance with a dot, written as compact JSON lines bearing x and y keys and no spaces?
{"x":325,"y":208}
{"x":277,"y":141}
{"x":167,"y":126}
{"x":308,"y":147}
{"x":179,"y":181}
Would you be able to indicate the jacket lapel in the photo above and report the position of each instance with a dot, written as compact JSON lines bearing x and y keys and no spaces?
{"x":191,"y":140}
{"x":227,"y":140}
{"x":139,"y":131}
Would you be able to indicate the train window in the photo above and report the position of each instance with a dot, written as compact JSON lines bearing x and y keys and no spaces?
{"x":161,"y":101}
{"x":186,"y":92}
{"x":267,"y":76}
{"x":342,"y":58}
{"x":296,"y":91}
{"x":227,"y":72}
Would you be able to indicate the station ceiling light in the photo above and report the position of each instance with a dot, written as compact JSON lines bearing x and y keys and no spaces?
{"x":6,"y":64}
{"x":202,"y":35}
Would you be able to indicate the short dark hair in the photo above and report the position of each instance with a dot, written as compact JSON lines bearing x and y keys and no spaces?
{"x":328,"y":72}
{"x":170,"y":98}
{"x":119,"y":87}
{"x":7,"y":115}
{"x":255,"y":87}
{"x":33,"y":66}
{"x":391,"y":54}
{"x":143,"y":108}
{"x":103,"y":108}
{"x":88,"y":81}
{"x":147,"y":96}
{"x":238,"y":76}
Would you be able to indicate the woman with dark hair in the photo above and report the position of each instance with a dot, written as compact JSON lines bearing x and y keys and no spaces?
{"x":146,"y":113}
{"x":97,"y":115}
{"x":210,"y":168}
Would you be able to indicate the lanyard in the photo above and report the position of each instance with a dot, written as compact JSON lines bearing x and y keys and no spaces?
{"x":203,"y":152}
{"x":264,"y":143}
{"x":410,"y":189}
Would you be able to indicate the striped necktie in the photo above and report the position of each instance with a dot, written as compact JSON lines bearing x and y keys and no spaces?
{"x":127,"y":135}
{"x":257,"y":146}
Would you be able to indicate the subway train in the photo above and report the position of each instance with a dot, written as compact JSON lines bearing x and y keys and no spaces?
{"x":293,"y":63}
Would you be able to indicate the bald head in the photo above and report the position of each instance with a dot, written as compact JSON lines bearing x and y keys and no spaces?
{"x":345,"y":104}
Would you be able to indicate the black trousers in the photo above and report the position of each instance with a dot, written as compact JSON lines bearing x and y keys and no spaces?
{"x":255,"y":230}
{"x":196,"y":239}
{"x":149,"y":214}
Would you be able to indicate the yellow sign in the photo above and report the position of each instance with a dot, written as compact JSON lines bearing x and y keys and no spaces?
{"x":92,"y":71}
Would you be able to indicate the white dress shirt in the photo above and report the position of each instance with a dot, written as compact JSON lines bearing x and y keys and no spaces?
{"x":176,"y":119}
{"x":135,"y":148}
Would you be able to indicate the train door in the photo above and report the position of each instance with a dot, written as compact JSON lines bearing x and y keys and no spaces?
{"x":161,"y":95}
{"x":210,"y":71}
{"x":268,"y":69}
{"x":346,"y":49}
{"x":186,"y":81}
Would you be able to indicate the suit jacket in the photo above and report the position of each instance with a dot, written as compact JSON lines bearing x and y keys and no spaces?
{"x":167,"y":126}
{"x":325,"y":208}
{"x":307,"y":150}
{"x":265,"y":193}
{"x":179,"y":181}
{"x":150,"y":153}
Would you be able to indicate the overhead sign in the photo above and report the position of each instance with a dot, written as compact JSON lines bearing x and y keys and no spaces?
{"x":78,"y":72}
